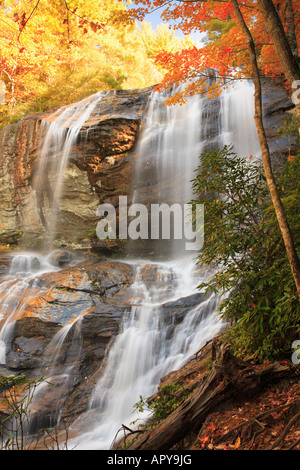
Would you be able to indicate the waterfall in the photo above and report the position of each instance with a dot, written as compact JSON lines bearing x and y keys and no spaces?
{"x":237,"y":126}
{"x":18,"y":287}
{"x":60,"y":132}
{"x":150,"y":344}
{"x":59,"y":376}
{"x":146,"y":349}
{"x":168,"y":152}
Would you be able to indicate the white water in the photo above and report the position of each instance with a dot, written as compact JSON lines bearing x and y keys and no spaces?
{"x":147,"y":347}
{"x":142,"y":353}
{"x":237,"y":119}
{"x":168,"y":152}
{"x":17,"y":288}
{"x":60,"y":135}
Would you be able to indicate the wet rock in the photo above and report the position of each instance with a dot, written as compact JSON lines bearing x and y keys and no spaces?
{"x":34,"y":327}
{"x":5,"y":262}
{"x":64,"y":296}
{"x":100,"y":168}
{"x":64,"y":332}
{"x":174,"y":312}
{"x":11,"y":237}
{"x":60,"y":258}
{"x":29,"y":345}
{"x":277,"y":106}
{"x":30,"y":337}
{"x":79,"y":359}
{"x":97,"y":331}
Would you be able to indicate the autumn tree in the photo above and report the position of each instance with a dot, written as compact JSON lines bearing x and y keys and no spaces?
{"x":248,"y":32}
{"x":284,"y":40}
{"x":39,"y":38}
{"x":54,"y":52}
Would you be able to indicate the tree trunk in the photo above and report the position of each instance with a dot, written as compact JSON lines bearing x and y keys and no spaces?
{"x":279,"y":210}
{"x":291,"y":28}
{"x":284,"y":52}
{"x":229,"y":378}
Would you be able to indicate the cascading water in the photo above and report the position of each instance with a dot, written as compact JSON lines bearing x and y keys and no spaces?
{"x":173,"y":137}
{"x":18,"y":287}
{"x":145,"y":350}
{"x":149,"y":344}
{"x":60,"y":135}
{"x":57,"y":376}
{"x":21,"y":284}
{"x":237,"y":127}
{"x":148,"y":347}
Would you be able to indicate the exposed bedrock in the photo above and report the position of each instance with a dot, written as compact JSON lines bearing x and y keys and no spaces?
{"x":101,"y":167}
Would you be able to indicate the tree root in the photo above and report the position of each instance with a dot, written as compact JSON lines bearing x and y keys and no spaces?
{"x":127,"y":433}
{"x":291,"y":423}
{"x":229,"y":378}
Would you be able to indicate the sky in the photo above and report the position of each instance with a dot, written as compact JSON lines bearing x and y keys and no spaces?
{"x":152,"y":17}
{"x":155,"y":19}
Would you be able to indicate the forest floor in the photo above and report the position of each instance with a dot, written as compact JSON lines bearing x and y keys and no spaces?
{"x":210,"y":405}
{"x":267,"y":421}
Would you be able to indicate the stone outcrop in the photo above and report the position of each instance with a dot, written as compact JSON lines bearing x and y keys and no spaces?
{"x":101,"y":168}
{"x":67,"y":323}
{"x":277,"y":109}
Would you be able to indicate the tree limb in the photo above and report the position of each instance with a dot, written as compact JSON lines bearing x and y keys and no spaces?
{"x":29,"y":17}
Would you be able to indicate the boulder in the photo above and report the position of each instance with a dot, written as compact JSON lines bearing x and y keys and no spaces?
{"x":60,"y":258}
{"x":100,"y":168}
{"x":64,"y":330}
{"x":175,"y":311}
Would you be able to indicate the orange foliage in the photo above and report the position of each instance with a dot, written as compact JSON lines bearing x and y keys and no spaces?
{"x":225,"y":51}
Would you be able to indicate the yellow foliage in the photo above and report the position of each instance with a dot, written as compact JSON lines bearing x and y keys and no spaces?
{"x":54,"y":52}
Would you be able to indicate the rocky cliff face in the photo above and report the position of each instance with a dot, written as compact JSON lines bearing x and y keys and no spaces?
{"x":86,"y":301}
{"x":67,"y":320}
{"x":100,"y":169}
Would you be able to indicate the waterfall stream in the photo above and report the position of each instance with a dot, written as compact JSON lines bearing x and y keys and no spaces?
{"x":60,"y":134}
{"x":171,"y":142}
{"x":237,"y":127}
{"x":147,"y":348}
{"x":148,"y":345}
{"x":17,"y":289}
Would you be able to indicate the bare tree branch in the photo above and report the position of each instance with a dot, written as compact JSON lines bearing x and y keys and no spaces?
{"x":29,"y":17}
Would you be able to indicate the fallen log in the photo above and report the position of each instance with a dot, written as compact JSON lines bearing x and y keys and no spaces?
{"x":229,"y":378}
